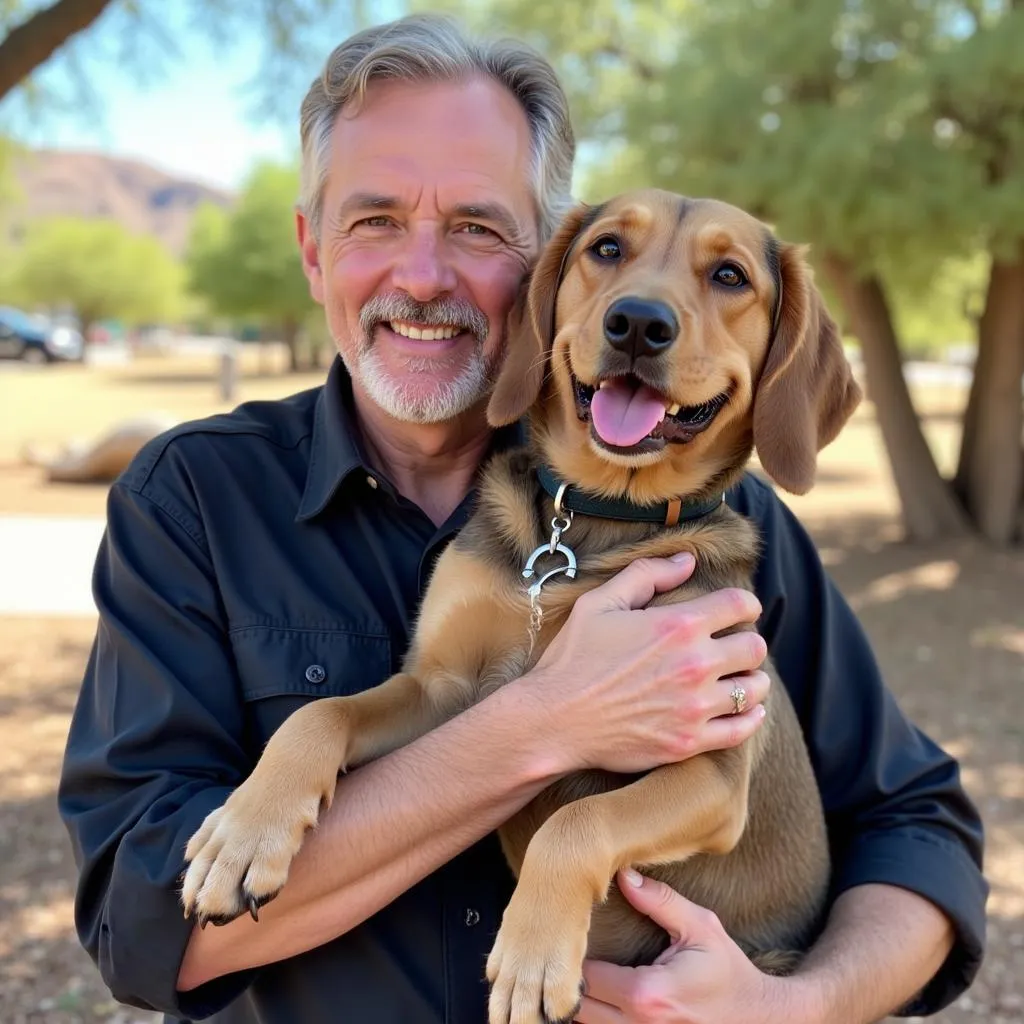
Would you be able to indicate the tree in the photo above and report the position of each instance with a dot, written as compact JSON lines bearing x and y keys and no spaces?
{"x":99,"y":270}
{"x":33,"y":41}
{"x":247,"y":264}
{"x":888,"y":133}
{"x":30,"y":35}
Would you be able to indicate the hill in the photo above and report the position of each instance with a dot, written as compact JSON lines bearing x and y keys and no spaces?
{"x":142,"y":198}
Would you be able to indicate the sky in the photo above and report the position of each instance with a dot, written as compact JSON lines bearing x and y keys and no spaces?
{"x":187,"y":107}
{"x":192,"y":114}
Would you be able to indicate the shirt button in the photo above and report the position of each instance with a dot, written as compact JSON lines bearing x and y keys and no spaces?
{"x":472,"y":917}
{"x":316,"y":674}
{"x":372,"y":481}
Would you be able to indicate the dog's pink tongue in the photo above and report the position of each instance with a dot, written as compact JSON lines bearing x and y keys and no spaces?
{"x":623,"y":415}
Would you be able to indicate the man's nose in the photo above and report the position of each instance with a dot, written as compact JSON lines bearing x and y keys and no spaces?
{"x":423,"y":268}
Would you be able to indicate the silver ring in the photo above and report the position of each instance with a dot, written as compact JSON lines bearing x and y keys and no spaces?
{"x":739,"y":699}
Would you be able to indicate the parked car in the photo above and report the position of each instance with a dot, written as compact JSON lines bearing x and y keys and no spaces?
{"x":36,"y":341}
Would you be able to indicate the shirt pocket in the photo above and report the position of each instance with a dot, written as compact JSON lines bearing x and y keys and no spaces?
{"x":281,"y":669}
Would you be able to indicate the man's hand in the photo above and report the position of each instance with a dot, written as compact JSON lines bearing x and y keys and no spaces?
{"x":628,"y":688}
{"x":702,"y":978}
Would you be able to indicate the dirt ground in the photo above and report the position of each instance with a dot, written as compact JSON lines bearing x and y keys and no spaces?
{"x":947,"y":622}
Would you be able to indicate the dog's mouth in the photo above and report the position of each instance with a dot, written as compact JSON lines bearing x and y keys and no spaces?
{"x":629,"y":417}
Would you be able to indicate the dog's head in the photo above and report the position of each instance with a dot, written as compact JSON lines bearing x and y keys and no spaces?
{"x":660,"y":338}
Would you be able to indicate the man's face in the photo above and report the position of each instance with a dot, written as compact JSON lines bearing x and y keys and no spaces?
{"x":428,"y":227}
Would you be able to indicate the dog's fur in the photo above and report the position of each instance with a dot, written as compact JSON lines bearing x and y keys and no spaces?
{"x":740,"y":831}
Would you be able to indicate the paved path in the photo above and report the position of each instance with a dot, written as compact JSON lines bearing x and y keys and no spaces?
{"x":46,"y":564}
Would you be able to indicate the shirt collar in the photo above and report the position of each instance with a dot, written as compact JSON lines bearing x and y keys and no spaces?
{"x":336,"y":450}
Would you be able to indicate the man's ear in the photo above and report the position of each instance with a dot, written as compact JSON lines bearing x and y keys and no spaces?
{"x":531,"y":328}
{"x":310,"y":253}
{"x":807,"y":390}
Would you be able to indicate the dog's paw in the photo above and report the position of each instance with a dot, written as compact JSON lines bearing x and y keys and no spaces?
{"x":239,"y":858}
{"x":536,"y":967}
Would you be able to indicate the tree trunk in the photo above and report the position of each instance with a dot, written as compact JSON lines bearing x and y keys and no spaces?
{"x":980,"y":384}
{"x":930,"y":509}
{"x":86,"y":322}
{"x":990,"y":477}
{"x":290,"y":336}
{"x":264,"y":348}
{"x":34,"y":41}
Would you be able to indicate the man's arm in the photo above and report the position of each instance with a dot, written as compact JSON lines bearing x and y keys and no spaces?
{"x":157,"y":742}
{"x":881,"y":944}
{"x":897,"y":812}
{"x":906,"y":929}
{"x":395,"y":820}
{"x":895,"y":938}
{"x":392,"y":823}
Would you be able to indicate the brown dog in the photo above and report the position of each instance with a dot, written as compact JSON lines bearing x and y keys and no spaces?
{"x":661,"y":338}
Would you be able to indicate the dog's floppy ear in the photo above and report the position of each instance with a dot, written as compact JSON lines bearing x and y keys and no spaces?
{"x":806,"y":391}
{"x":531,"y":327}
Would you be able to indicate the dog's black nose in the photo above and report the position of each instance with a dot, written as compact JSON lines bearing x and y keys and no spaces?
{"x":640,"y":327}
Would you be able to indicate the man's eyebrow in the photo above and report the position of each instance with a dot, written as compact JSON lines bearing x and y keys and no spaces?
{"x":494,"y":212}
{"x":367,"y":201}
{"x":486,"y":210}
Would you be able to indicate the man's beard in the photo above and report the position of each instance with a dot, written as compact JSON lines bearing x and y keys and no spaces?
{"x":445,"y":400}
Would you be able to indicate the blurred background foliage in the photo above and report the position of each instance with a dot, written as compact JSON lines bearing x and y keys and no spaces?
{"x":886,"y":134}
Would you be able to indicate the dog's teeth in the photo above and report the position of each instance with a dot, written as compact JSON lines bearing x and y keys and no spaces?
{"x":673,"y":409}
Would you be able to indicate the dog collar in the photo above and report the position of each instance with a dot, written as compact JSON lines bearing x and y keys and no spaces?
{"x":669,"y":513}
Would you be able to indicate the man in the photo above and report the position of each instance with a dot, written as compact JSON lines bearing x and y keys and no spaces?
{"x":258,"y":560}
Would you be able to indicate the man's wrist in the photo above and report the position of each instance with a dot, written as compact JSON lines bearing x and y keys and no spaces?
{"x":799,"y":999}
{"x":545,"y":757}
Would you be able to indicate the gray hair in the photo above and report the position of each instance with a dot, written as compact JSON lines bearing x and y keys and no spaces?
{"x":430,"y":47}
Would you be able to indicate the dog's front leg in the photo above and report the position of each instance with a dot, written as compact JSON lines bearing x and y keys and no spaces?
{"x":536,"y":965}
{"x":240,"y":856}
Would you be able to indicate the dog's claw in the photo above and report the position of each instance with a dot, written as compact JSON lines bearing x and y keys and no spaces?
{"x":254,"y":908}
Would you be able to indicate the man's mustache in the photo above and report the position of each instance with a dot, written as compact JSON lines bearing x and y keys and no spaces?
{"x":443,"y":312}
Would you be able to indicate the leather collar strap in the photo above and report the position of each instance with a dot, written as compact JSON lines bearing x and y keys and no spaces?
{"x":669,"y":513}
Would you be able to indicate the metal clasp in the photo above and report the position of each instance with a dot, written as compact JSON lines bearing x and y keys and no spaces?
{"x":559,"y":524}
{"x":569,"y":568}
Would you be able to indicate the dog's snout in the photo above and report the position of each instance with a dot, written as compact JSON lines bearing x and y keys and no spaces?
{"x":640,"y":327}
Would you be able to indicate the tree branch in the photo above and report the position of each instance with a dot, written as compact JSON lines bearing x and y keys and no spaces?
{"x":34,"y":41}
{"x":640,"y":68}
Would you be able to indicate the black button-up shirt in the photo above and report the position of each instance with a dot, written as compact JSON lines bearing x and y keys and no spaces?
{"x":253,"y":562}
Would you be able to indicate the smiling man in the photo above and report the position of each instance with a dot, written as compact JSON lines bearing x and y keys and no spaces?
{"x":256,"y":561}
{"x":416,"y":247}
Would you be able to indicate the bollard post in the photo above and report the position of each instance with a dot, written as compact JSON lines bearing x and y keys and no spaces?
{"x":227,"y":376}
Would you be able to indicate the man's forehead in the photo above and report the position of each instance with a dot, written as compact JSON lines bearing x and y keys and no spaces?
{"x":410,"y":156}
{"x":477,"y":117}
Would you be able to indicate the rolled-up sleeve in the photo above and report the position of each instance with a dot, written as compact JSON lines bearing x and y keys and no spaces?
{"x":897,"y":811}
{"x":155,"y":744}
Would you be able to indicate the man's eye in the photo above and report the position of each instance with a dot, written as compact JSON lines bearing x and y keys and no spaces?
{"x":475,"y":229}
{"x":375,"y":222}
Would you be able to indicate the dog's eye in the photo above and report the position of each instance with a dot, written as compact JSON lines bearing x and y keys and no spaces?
{"x":606,"y":248}
{"x":730,"y":275}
